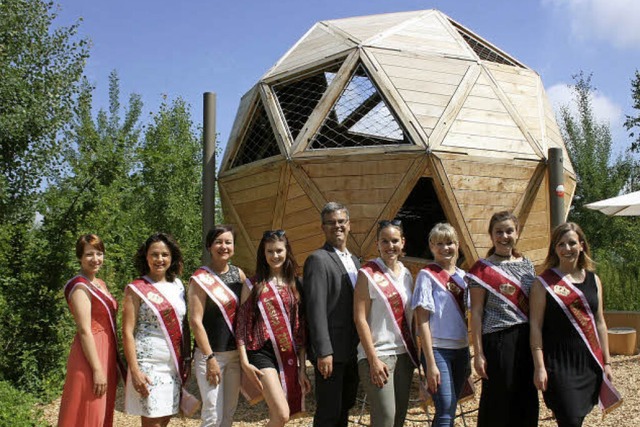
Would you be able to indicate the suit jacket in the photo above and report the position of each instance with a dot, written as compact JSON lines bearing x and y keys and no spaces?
{"x":328,"y":300}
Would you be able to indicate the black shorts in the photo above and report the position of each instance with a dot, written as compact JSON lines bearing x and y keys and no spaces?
{"x":264,"y":357}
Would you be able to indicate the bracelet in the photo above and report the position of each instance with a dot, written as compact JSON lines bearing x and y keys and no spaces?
{"x":208,"y":357}
{"x":536,"y":348}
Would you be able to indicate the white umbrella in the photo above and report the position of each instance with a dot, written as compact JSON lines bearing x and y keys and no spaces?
{"x":625,"y":205}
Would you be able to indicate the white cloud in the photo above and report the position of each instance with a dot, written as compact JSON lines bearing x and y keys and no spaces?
{"x":604,"y":109}
{"x":612,"y":21}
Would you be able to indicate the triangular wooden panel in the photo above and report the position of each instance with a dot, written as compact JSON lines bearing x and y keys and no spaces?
{"x":244,"y":249}
{"x":302,"y":222}
{"x":522,"y":87}
{"x":259,"y":142}
{"x":365,"y":186}
{"x":482,"y":187}
{"x":554,"y":135}
{"x":362,"y":28}
{"x":484,"y":126}
{"x":426,"y":34}
{"x":534,"y":237}
{"x":255,"y":201}
{"x":318,"y":44}
{"x":426,"y":84}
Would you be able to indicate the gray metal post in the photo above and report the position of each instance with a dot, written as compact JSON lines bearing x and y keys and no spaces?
{"x":208,"y":168}
{"x":556,"y":187}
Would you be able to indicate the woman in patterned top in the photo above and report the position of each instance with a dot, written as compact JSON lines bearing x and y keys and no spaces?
{"x":154,"y":308}
{"x":271,"y":332}
{"x":499,"y":287}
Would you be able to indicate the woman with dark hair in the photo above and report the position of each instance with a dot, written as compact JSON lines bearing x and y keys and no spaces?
{"x":270,"y":332}
{"x":499,"y":288}
{"x":214,"y":298}
{"x":382,"y":314}
{"x":89,"y":394}
{"x":152,"y":320}
{"x":569,"y":340}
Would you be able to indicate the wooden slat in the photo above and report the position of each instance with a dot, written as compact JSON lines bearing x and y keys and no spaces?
{"x":297,"y":205}
{"x":365,"y":27}
{"x":282,"y":198}
{"x":486,"y":197}
{"x":257,"y":211}
{"x":491,"y":168}
{"x":232,"y":214}
{"x":330,"y":183}
{"x":482,"y":211}
{"x":370,"y":167}
{"x":309,"y":187}
{"x":480,"y":142}
{"x":242,"y":182}
{"x":253,"y":194}
{"x":301,"y":217}
{"x":372,"y":195}
{"x":277,"y":120}
{"x":507,"y":185}
{"x":422,"y":62}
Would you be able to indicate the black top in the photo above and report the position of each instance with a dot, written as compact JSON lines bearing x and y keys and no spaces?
{"x":220,"y":337}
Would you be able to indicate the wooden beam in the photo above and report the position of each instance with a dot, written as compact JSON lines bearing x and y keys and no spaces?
{"x":524,"y":205}
{"x":235,"y":218}
{"x":277,"y":120}
{"x":243,"y":115}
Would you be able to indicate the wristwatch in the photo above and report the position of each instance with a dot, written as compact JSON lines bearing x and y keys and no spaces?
{"x":207,"y":357}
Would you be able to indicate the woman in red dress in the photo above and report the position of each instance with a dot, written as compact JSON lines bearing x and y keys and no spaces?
{"x":88,"y":398}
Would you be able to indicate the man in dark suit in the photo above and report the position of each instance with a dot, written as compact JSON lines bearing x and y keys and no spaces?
{"x":329,"y":277}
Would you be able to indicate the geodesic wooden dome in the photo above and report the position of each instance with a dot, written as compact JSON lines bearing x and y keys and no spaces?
{"x":404,"y":115}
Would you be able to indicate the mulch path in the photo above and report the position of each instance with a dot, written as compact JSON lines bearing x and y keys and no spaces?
{"x":626,"y":371}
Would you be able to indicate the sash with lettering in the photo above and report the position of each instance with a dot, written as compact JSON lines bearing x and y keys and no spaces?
{"x":501,"y":284}
{"x":220,"y":294}
{"x":167,"y":317}
{"x":395,"y":303}
{"x":575,"y":306}
{"x":279,"y":327}
{"x":110,"y":305}
{"x":456,"y":291}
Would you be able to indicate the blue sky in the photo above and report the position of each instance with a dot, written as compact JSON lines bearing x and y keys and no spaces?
{"x":186,"y":48}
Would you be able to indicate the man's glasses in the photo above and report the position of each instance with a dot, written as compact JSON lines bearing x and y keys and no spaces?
{"x":270,"y":233}
{"x":340,"y":222}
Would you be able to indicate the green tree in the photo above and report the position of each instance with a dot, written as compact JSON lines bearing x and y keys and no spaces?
{"x":633,"y":122}
{"x":172,"y":179}
{"x":599,"y":174}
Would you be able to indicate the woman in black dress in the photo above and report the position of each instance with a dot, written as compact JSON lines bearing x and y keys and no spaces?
{"x":569,"y":359}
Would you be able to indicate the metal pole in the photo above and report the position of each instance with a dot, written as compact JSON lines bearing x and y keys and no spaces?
{"x":556,"y":187}
{"x":208,"y":168}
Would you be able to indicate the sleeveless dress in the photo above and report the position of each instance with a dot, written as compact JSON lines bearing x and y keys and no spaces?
{"x":574,"y":377}
{"x":155,"y":360}
{"x":79,"y":406}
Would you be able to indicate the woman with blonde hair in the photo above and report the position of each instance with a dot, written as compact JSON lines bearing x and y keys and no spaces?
{"x":569,"y":342}
{"x":440,"y":302}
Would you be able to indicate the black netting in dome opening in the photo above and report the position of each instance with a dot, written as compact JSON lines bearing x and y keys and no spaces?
{"x":298,"y":99}
{"x":485,"y":52}
{"x":360,"y":118}
{"x":259,"y":142}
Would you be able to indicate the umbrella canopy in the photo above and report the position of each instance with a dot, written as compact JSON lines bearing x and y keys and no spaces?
{"x":625,"y":205}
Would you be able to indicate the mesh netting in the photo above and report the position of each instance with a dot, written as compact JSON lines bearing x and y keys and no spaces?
{"x":359,"y":118}
{"x":259,"y":142}
{"x":298,"y":99}
{"x":485,"y":52}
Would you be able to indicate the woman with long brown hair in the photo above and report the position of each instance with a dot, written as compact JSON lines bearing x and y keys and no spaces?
{"x":271,"y":331}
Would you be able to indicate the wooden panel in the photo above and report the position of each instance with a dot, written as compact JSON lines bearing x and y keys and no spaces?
{"x":483,"y":211}
{"x":258,"y":192}
{"x":301,"y":217}
{"x":364,"y":27}
{"x":318,"y":43}
{"x":529,"y":244}
{"x":398,"y":71}
{"x":248,"y":180}
{"x":506,"y":185}
{"x":307,"y":245}
{"x":294,"y":190}
{"x":487,"y":143}
{"x":485,"y":197}
{"x":365,"y":210}
{"x":489,"y":129}
{"x":349,"y":197}
{"x":304,"y":231}
{"x":489,"y":168}
{"x":256,"y":212}
{"x":424,"y":63}
{"x":365,"y":167}
{"x":330,"y":183}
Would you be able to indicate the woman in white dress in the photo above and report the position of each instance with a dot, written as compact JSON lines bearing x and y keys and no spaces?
{"x":154,"y":309}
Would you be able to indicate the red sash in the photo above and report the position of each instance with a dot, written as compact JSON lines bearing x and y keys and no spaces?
{"x":110,"y":305}
{"x":503,"y":285}
{"x":575,"y":306}
{"x":449,"y":284}
{"x":220,"y":294}
{"x":279,"y":326}
{"x":394,"y":302}
{"x":167,"y":317}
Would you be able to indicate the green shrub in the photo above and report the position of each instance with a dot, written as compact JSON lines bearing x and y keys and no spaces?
{"x":18,"y":409}
{"x":620,"y":281}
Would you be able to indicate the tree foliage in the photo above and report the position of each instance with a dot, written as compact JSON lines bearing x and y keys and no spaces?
{"x":599,"y":174}
{"x":632,"y":124}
